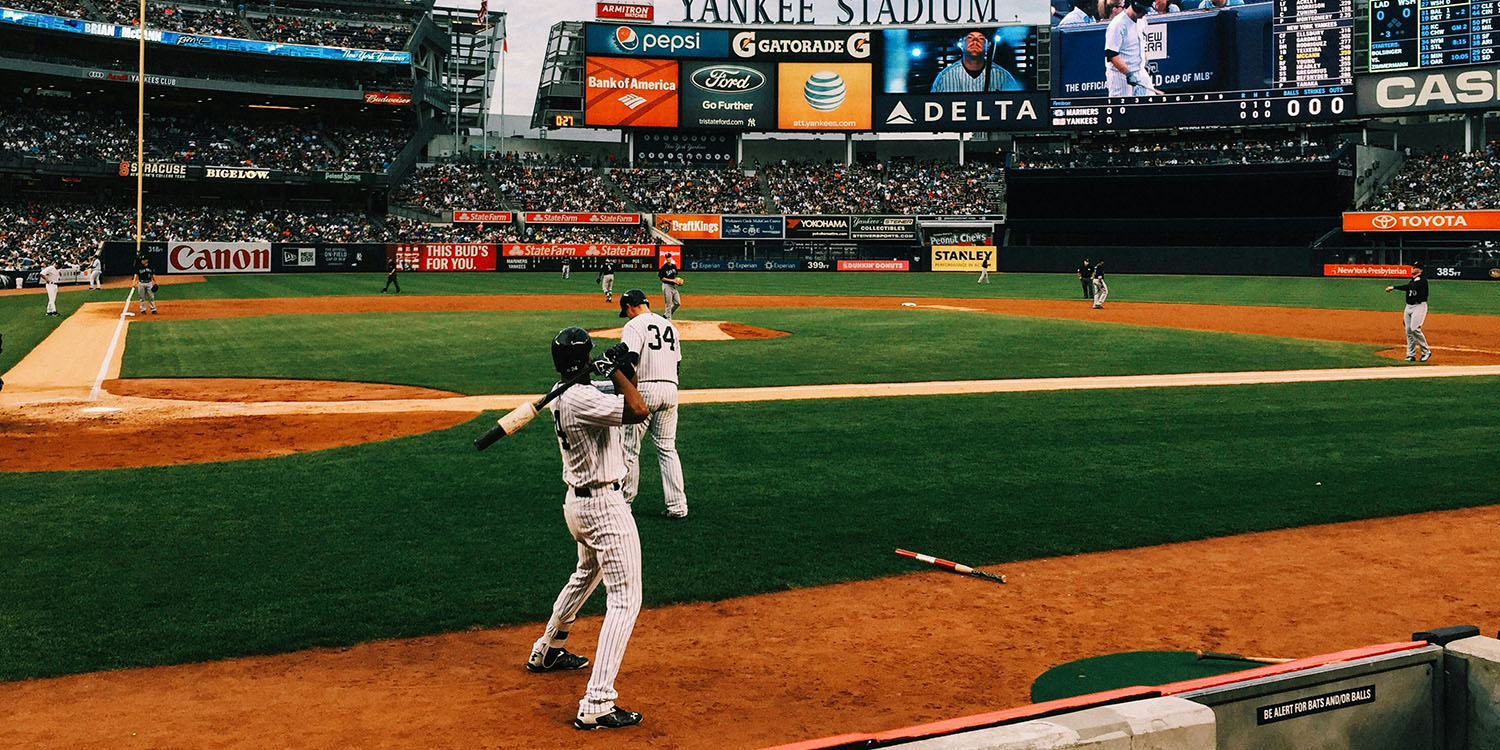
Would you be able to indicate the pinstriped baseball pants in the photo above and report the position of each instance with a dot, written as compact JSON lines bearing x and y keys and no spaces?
{"x":661,"y":401}
{"x":609,"y":549}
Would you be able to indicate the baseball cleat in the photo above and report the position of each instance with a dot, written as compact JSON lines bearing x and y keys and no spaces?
{"x":1426,"y":356}
{"x":1411,"y":359}
{"x":615,"y":718}
{"x":560,"y":661}
{"x":667,"y":514}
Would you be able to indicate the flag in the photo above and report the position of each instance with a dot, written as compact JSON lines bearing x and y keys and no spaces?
{"x":484,"y":9}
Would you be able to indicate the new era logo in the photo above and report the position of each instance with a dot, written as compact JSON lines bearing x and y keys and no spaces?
{"x":899,"y":116}
{"x":631,"y":101}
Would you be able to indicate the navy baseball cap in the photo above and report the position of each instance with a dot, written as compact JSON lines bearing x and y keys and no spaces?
{"x":631,"y":298}
{"x":1418,"y":264}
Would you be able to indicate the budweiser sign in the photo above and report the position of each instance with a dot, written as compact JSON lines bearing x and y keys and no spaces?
{"x":552,"y":217}
{"x":601,"y":250}
{"x":1422,"y":221}
{"x":394,"y":98}
{"x":482,"y":217}
{"x":624,"y":11}
{"x":219,"y":257}
{"x":434,"y":256}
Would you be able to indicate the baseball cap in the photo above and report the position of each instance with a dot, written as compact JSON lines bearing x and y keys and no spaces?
{"x":1418,"y":264}
{"x":630,"y":298}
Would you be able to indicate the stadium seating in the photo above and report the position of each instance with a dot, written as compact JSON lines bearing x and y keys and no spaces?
{"x":1443,"y":180}
{"x":1156,"y":151}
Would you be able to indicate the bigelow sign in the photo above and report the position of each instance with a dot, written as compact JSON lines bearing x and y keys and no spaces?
{"x":218,"y":257}
{"x":1429,"y":90}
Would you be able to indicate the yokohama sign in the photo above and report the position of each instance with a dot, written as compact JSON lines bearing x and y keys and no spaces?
{"x":1422,"y":221}
{"x":602,"y":250}
{"x":551,"y":217}
{"x":219,"y":257}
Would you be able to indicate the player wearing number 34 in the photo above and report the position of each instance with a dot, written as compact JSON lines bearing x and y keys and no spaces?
{"x":656,"y":340}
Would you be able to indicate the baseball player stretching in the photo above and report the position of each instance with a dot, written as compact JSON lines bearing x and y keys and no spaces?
{"x":588,"y":420}
{"x":1101,"y":289}
{"x":671,"y":299}
{"x":1416,"y":313}
{"x":606,"y":280}
{"x":655,"y":340}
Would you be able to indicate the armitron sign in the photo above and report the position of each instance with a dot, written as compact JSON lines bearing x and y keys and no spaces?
{"x":624,"y":11}
{"x":1422,"y":221}
{"x":218,"y":257}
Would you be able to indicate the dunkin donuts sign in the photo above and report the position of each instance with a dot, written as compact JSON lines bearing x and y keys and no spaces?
{"x":219,"y":257}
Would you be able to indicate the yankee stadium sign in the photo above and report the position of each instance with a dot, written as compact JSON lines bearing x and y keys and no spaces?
{"x":880,"y":12}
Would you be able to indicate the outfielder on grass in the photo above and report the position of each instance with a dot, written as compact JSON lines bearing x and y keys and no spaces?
{"x":588,"y":421}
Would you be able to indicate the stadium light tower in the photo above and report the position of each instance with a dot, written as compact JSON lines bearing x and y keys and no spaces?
{"x":473,"y":36}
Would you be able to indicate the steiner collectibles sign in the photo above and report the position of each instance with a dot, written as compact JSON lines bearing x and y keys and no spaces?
{"x":864,"y":12}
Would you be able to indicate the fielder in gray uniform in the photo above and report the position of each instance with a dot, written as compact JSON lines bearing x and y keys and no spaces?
{"x":606,"y":280}
{"x":588,"y":420}
{"x":1101,"y":289}
{"x":671,"y":299}
{"x":145,"y":285}
{"x":1416,"y":313}
{"x":656,"y":342}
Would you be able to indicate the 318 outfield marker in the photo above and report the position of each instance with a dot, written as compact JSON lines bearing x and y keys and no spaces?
{"x":953,"y":566}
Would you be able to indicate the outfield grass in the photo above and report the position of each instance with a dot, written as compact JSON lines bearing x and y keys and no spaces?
{"x":422,"y":534}
{"x":506,"y":352}
{"x":1470,"y":297}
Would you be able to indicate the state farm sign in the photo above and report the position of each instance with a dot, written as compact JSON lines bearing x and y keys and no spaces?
{"x":600,"y":250}
{"x":1422,"y":221}
{"x":555,"y":217}
{"x":624,"y":11}
{"x":481,"y":217}
{"x":219,"y":257}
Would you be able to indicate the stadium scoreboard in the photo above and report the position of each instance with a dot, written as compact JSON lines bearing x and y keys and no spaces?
{"x":1411,"y":34}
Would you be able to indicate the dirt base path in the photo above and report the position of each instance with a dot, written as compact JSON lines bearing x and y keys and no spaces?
{"x":763,"y":670}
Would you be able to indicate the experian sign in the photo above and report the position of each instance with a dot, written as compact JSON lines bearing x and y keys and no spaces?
{"x":1429,"y":90}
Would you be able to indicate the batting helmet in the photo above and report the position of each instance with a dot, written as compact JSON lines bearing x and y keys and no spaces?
{"x":632,"y":298}
{"x":571,"y":349}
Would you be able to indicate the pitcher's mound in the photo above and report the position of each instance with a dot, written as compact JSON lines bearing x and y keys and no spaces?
{"x":707,"y":330}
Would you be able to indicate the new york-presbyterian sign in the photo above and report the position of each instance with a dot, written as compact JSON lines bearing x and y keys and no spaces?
{"x":906,"y":12}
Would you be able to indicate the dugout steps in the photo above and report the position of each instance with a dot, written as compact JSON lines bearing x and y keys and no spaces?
{"x":1439,"y":691}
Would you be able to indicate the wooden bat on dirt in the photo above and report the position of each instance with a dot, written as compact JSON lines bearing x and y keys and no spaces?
{"x":1238,"y":657}
{"x":953,"y":566}
{"x":523,"y":414}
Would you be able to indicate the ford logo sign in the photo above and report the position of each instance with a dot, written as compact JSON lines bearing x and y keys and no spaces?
{"x":728,"y":79}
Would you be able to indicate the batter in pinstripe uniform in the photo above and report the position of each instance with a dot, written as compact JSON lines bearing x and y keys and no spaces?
{"x":659,"y":348}
{"x":588,"y":420}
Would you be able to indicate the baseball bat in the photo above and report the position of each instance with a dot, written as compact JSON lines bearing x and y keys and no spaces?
{"x":522,"y":415}
{"x":1240,"y":657}
{"x":953,"y":566}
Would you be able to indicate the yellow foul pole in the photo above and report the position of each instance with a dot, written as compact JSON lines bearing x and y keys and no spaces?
{"x":140,"y":131}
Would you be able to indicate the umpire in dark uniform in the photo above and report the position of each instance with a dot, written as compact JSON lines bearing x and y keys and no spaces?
{"x":1086,"y":275}
{"x":390,"y":277}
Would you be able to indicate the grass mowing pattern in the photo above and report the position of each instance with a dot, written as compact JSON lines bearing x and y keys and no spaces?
{"x":24,"y":322}
{"x":1469,"y":297}
{"x":421,"y":534}
{"x":505,"y":352}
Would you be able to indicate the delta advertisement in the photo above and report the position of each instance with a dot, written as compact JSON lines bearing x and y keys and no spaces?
{"x":967,"y":258}
{"x":824,"y":96}
{"x":630,"y":92}
{"x":1422,"y":221}
{"x":728,"y":95}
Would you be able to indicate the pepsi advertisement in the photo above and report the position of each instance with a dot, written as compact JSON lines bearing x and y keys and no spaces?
{"x":654,"y":41}
{"x":728,"y":95}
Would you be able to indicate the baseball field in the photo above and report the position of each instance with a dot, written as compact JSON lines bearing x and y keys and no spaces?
{"x":257,"y":518}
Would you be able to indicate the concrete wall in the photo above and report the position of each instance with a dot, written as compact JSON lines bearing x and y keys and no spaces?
{"x":1152,"y":724}
{"x":1473,"y":667}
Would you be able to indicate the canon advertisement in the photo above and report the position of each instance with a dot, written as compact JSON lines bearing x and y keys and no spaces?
{"x":218,"y":257}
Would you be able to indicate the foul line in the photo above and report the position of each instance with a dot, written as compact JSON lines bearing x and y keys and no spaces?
{"x":113,"y":343}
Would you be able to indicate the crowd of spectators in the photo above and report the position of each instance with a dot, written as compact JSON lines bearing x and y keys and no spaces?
{"x":35,"y":232}
{"x":712,"y":191}
{"x":356,"y":32}
{"x":335,"y":27}
{"x":1443,"y":180}
{"x":1113,"y":152}
{"x":896,"y":187}
{"x":200,"y":18}
{"x":448,"y":187}
{"x":65,"y":8}
{"x":806,"y":188}
{"x":556,"y":188}
{"x":566,"y":234}
{"x":37,"y":129}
